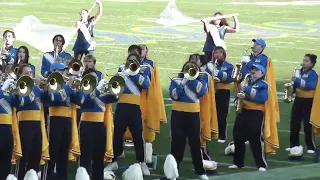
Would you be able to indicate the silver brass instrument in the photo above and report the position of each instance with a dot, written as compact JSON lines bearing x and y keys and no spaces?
{"x":56,"y":53}
{"x":88,"y":83}
{"x":236,"y":73}
{"x":190,"y":72}
{"x":54,"y":82}
{"x":288,"y":87}
{"x":75,"y":67}
{"x":241,"y":95}
{"x":115,"y":86}
{"x":23,"y":86}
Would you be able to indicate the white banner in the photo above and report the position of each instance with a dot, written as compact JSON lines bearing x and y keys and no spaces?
{"x":39,"y":35}
{"x":172,"y":16}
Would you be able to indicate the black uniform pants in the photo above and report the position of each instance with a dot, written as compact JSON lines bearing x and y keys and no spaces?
{"x":128,"y":115}
{"x":93,"y":147}
{"x":6,"y":149}
{"x":300,"y":112}
{"x":249,"y":126}
{"x":59,"y":145}
{"x":222,"y":103}
{"x":186,"y":125}
{"x":31,"y":144}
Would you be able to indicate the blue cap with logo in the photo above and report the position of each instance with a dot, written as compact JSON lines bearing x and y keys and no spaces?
{"x":57,"y":65}
{"x":260,"y":41}
{"x":259,"y":67}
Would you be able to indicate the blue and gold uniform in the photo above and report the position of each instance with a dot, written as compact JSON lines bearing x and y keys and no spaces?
{"x":83,"y":45}
{"x":9,"y":134}
{"x":185,"y":119}
{"x":250,"y":122}
{"x":128,"y":113}
{"x":304,"y":88}
{"x":12,"y":55}
{"x":222,"y":93}
{"x":32,"y":131}
{"x":93,"y":131}
{"x":48,"y":59}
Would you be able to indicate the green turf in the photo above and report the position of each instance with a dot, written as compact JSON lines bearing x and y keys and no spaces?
{"x":286,"y":45}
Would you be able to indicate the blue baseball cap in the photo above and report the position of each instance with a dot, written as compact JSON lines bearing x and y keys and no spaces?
{"x":259,"y":67}
{"x":260,"y":41}
{"x":57,"y":65}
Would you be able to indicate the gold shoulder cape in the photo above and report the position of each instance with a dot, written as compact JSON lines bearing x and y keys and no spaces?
{"x":314,"y":117}
{"x":17,"y":150}
{"x":74,"y":152}
{"x":108,"y":121}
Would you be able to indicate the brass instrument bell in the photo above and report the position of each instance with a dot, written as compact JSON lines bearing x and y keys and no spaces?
{"x":55,"y":82}
{"x":23,"y":86}
{"x":75,"y":66}
{"x":88,"y":83}
{"x":115,"y":86}
{"x":191,"y":71}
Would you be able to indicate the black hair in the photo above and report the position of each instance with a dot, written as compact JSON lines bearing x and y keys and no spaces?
{"x":220,"y":48}
{"x":313,"y":58}
{"x":20,"y":69}
{"x":135,"y":47}
{"x":203,"y":59}
{"x":59,"y":35}
{"x":8,"y":31}
{"x":135,"y":55}
{"x":26,"y":50}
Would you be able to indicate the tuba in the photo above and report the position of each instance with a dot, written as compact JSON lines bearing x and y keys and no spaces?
{"x":288,"y":87}
{"x":115,"y":86}
{"x":23,"y":86}
{"x":241,"y":95}
{"x":236,"y":73}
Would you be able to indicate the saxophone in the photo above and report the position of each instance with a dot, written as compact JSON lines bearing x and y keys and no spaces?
{"x":241,"y":94}
{"x":288,"y":87}
{"x":236,"y":73}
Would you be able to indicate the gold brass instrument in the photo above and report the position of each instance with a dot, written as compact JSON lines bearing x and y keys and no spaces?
{"x":115,"y":86}
{"x":88,"y":83}
{"x":191,"y":71}
{"x":241,"y":95}
{"x":23,"y":86}
{"x":236,"y":73}
{"x":133,"y":67}
{"x":54,"y":82}
{"x":288,"y":87}
{"x":75,"y":67}
{"x":56,"y":53}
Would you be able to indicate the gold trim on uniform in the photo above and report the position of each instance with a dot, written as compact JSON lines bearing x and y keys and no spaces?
{"x":253,"y":106}
{"x":5,"y":118}
{"x":129,"y":99}
{"x":222,"y":85}
{"x":29,"y":115}
{"x":305,"y":93}
{"x":60,"y":111}
{"x":185,"y":107}
{"x":92,"y":116}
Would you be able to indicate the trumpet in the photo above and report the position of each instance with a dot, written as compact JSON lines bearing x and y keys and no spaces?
{"x":115,"y":86}
{"x":241,"y":95}
{"x":75,"y":67}
{"x":288,"y":91}
{"x":56,"y":53}
{"x":22,"y":87}
{"x":236,"y":73}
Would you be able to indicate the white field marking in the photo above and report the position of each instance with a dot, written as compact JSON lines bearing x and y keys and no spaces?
{"x":12,"y":4}
{"x":136,"y":0}
{"x":294,"y":3}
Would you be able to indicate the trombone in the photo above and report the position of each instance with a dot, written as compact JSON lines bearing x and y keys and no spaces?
{"x":22,"y":87}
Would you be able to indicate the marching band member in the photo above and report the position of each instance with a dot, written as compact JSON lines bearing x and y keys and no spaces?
{"x":208,"y":115}
{"x":223,"y":72}
{"x":304,"y":86}
{"x":185,"y":119}
{"x":93,"y":127}
{"x":8,"y":52}
{"x":10,"y":145}
{"x":23,"y":58}
{"x":128,"y":114}
{"x":31,"y":127}
{"x":61,"y":127}
{"x":89,"y":62}
{"x":85,"y":44}
{"x":216,"y":30}
{"x":249,"y":124}
{"x":57,"y":54}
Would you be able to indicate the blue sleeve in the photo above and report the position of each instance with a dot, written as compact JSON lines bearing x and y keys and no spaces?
{"x":199,"y":87}
{"x":264,"y":63}
{"x":62,"y":95}
{"x":25,"y":100}
{"x":86,"y":98}
{"x":175,"y":91}
{"x":45,"y":67}
{"x":107,"y":99}
{"x":141,"y":79}
{"x":259,"y":95}
{"x":308,"y":84}
{"x":226,"y":77}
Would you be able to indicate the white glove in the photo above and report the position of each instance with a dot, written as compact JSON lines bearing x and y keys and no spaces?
{"x":245,"y":59}
{"x":297,"y":74}
{"x":102,"y":82}
{"x":8,"y":83}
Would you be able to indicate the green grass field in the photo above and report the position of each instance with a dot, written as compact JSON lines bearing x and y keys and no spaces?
{"x":290,"y":32}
